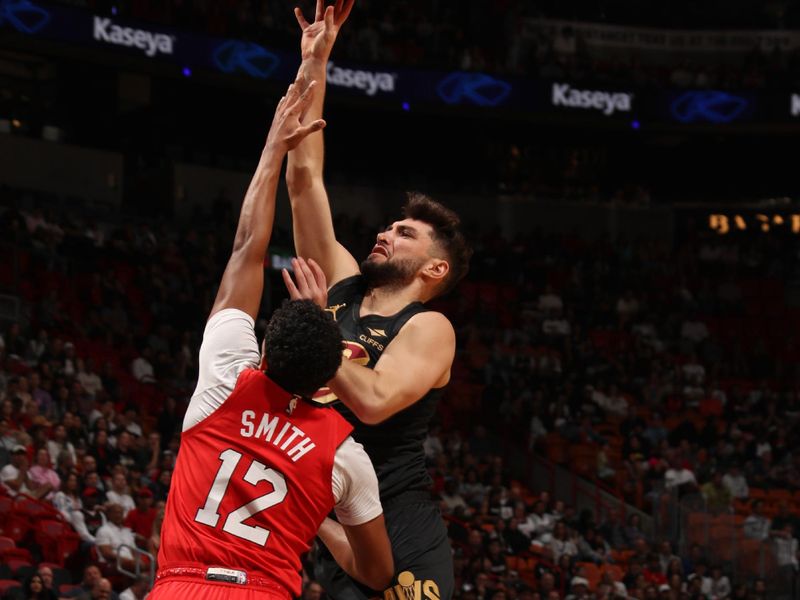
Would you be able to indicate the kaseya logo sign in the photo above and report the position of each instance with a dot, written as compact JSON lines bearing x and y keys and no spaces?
{"x":608,"y":103}
{"x":369,"y":82}
{"x":108,"y":32}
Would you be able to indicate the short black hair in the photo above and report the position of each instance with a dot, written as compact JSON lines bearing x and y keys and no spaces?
{"x":447,"y":234}
{"x":303,"y":347}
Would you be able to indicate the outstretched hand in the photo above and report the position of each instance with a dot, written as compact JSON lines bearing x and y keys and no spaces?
{"x":287,"y":129}
{"x":311,"y":283}
{"x":318,"y":37}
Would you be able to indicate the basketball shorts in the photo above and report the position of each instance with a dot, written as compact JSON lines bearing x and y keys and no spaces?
{"x":177,"y":587}
{"x":423,"y":559}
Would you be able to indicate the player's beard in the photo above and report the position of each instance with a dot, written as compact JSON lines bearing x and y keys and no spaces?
{"x":389,"y":273}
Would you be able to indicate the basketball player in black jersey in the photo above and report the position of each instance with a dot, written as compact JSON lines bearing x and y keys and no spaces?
{"x":400,"y":352}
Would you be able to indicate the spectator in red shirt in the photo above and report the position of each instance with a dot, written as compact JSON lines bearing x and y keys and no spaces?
{"x":140,"y":519}
{"x":652,"y":572}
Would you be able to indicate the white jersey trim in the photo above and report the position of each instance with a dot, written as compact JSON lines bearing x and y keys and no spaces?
{"x":355,"y":485}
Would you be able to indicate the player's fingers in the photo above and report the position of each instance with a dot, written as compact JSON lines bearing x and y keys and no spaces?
{"x":329,"y":20}
{"x":301,"y":103}
{"x":345,"y":12}
{"x":300,"y":276}
{"x":301,"y":20}
{"x":320,"y":10}
{"x":290,"y":286}
{"x":311,"y":280}
{"x":302,"y":132}
{"x":319,"y":274}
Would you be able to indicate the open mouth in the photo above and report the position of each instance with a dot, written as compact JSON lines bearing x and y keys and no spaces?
{"x":378,"y":249}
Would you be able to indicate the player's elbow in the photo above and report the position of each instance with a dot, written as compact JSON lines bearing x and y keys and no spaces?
{"x":299,"y":178}
{"x":371,"y":415}
{"x":374,"y":410}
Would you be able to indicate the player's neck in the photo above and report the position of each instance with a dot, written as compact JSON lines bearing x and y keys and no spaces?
{"x":388,"y":300}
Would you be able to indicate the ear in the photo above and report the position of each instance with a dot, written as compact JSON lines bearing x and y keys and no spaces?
{"x":437,"y":269}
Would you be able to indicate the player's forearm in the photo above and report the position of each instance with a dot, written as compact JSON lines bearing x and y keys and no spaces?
{"x":333,"y":536}
{"x":373,"y":570}
{"x":307,"y":159}
{"x":363,"y":391}
{"x":258,"y":209}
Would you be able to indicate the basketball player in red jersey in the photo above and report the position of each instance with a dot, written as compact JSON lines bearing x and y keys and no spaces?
{"x":259,"y":466}
{"x":400,"y":352}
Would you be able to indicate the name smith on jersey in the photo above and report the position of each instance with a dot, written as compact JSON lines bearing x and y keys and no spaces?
{"x":289,"y":439}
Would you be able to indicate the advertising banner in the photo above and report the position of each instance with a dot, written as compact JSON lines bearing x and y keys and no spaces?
{"x":402,"y":88}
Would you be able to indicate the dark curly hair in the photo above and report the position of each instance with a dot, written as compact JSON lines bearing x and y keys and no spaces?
{"x":447,"y":235}
{"x":303,"y":347}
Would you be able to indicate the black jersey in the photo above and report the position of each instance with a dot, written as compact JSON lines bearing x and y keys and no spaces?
{"x":395,"y":446}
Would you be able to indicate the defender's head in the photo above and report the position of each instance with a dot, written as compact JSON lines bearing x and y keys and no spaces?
{"x":427,"y":244}
{"x":302,"y":347}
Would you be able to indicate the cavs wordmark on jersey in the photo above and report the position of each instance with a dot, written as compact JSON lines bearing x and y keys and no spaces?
{"x":395,"y":446}
{"x":410,"y":588}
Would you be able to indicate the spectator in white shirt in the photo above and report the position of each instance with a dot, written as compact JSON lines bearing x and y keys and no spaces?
{"x":14,"y":475}
{"x":118,"y":494}
{"x":59,"y":443}
{"x":680,"y":477}
{"x":736,"y":483}
{"x":115,"y":540}
{"x":137,"y":591}
{"x":539,"y":524}
{"x":756,"y":525}
{"x":720,"y":584}
{"x":88,"y":378}
{"x":141,"y":367}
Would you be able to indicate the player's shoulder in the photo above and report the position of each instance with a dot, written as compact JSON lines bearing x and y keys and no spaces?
{"x":429,"y":322}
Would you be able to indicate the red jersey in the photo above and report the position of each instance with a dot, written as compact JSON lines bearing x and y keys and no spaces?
{"x":252,"y":484}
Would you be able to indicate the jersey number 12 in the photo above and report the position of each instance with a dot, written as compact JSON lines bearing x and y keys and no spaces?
{"x":234,"y":524}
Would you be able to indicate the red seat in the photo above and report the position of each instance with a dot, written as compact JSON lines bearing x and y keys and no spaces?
{"x":57,"y":540}
{"x":8,"y":584}
{"x":17,"y":563}
{"x":16,"y":554}
{"x":15,"y":527}
{"x":6,"y":543}
{"x":6,"y":504}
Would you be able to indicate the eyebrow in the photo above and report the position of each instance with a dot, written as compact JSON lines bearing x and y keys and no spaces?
{"x":406,"y":229}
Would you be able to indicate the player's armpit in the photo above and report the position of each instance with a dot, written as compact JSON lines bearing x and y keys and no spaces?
{"x":363,"y":551}
{"x":416,"y":361}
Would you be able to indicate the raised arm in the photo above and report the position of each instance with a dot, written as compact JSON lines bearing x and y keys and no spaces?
{"x":314,"y":236}
{"x":243,"y":280}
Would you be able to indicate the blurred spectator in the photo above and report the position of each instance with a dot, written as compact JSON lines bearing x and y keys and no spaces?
{"x":736,"y":483}
{"x":15,"y":474}
{"x":756,"y":525}
{"x":137,"y":590}
{"x":718,"y":498}
{"x":118,"y":494}
{"x":140,"y":519}
{"x":114,"y":540}
{"x":34,"y":589}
